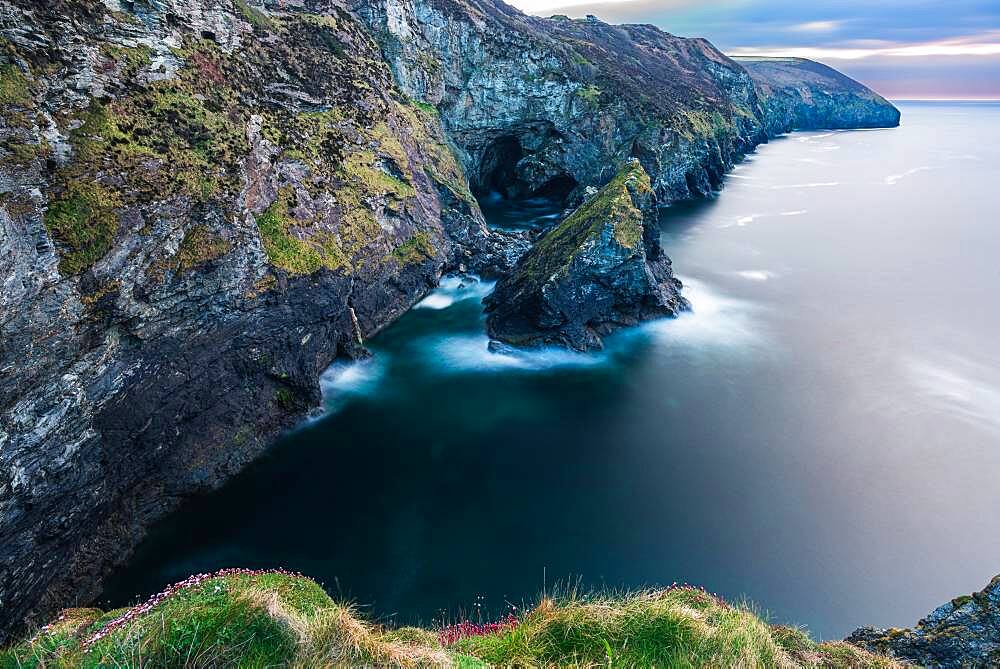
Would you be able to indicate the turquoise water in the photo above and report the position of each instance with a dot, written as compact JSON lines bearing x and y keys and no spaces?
{"x":820,"y":435}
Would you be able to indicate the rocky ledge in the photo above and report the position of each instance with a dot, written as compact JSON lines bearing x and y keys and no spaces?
{"x":602,"y":268}
{"x":962,"y":634}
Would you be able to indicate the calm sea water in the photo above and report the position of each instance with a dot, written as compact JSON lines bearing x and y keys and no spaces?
{"x":821,"y":435}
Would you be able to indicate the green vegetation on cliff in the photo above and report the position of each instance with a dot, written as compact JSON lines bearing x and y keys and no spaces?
{"x":556,"y":250}
{"x":275,"y":619}
{"x":85,"y":221}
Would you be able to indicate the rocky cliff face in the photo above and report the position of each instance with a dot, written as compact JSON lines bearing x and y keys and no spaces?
{"x":201,"y":206}
{"x":962,"y":634}
{"x":599,"y":270}
{"x":204,"y":202}
{"x":800,"y":94}
{"x":546,"y":105}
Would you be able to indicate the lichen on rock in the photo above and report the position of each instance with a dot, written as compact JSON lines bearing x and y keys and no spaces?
{"x":600,"y":269}
{"x":961,"y":634}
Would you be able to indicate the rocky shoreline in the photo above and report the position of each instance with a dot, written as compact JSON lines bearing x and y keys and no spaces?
{"x":203,"y":204}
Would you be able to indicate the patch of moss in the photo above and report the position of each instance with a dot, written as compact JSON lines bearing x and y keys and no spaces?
{"x":425,"y":107}
{"x":261,"y":286}
{"x":84,"y":221}
{"x":361,"y":171}
{"x":961,"y":601}
{"x":416,"y":249}
{"x":23,"y":153}
{"x":314,"y":138}
{"x":591,"y":95}
{"x":613,"y":203}
{"x":130,"y":60}
{"x":291,"y":253}
{"x":110,"y":288}
{"x":164,"y":124}
{"x":441,"y":164}
{"x":14,"y":89}
{"x":200,"y":245}
{"x":260,"y":21}
{"x":285,"y":398}
{"x":704,"y":124}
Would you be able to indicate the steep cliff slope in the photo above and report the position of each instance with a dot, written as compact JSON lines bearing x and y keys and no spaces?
{"x":543,"y":105}
{"x":201,"y":205}
{"x":800,"y":94}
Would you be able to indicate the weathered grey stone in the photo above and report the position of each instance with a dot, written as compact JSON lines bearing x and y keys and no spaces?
{"x":962,"y":634}
{"x":600,"y":269}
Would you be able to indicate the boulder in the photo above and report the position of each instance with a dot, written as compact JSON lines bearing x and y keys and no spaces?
{"x":602,"y":268}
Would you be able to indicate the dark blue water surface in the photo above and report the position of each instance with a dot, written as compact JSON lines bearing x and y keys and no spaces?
{"x":821,"y":435}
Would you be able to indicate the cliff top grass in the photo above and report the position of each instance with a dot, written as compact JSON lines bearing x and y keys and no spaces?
{"x":278,"y":619}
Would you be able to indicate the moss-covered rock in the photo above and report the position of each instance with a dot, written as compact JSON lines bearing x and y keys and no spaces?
{"x":600,"y":269}
{"x":961,"y":634}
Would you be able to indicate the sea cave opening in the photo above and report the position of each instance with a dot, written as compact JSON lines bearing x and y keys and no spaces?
{"x":510,"y":171}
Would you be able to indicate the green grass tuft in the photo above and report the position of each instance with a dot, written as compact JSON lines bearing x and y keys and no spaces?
{"x":84,"y":221}
{"x":282,"y":620}
{"x":13,"y":86}
{"x":416,"y":249}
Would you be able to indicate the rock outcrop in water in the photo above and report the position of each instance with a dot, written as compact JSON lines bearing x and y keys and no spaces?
{"x":962,"y":634}
{"x":204,"y":202}
{"x":602,"y":268}
{"x":800,"y":94}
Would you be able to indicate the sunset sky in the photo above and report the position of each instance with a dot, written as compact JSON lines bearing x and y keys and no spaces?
{"x":902,"y":48}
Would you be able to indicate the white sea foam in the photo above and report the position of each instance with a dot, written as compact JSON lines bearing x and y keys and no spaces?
{"x":818,"y":184}
{"x":807,"y":139}
{"x":454,"y":288}
{"x":893,"y":179}
{"x":742,"y":221}
{"x":756,"y":275}
{"x":714,"y":320}
{"x":797,"y":212}
{"x":470,"y":353}
{"x":958,"y":388}
{"x":343,"y":380}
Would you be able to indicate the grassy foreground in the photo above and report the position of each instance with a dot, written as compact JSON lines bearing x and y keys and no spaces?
{"x":277,"y":619}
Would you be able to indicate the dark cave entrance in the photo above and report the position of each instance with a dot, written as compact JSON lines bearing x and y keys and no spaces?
{"x":508,"y":170}
{"x":498,"y":168}
{"x":556,"y":189}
